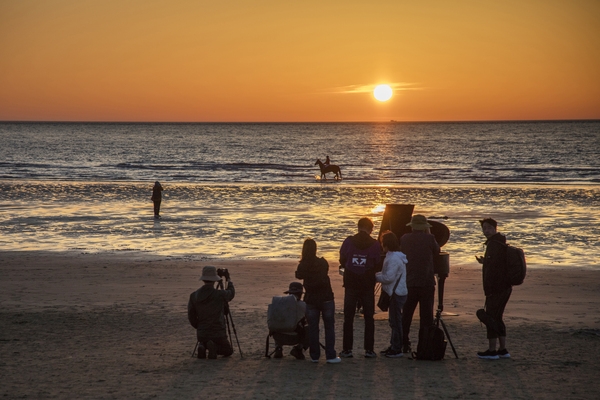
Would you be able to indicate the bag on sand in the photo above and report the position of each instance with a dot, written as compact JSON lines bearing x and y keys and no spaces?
{"x":515,"y":265}
{"x":432,"y":344}
{"x":284,"y":312}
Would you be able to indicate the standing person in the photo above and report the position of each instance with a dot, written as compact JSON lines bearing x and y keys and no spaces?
{"x":420,"y":248}
{"x":206,"y":313}
{"x":319,"y":301}
{"x":393,"y":281}
{"x":157,"y":198}
{"x":359,"y":255}
{"x":497,"y":290}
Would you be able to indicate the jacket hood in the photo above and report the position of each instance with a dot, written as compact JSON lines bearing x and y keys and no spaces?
{"x":362,"y":240}
{"x":497,"y":237}
{"x":400,"y":256}
{"x":204,"y":293}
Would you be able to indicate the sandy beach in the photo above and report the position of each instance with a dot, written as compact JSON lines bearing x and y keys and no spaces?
{"x":103,"y":325}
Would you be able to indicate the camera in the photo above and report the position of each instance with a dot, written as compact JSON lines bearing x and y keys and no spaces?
{"x":223,"y":272}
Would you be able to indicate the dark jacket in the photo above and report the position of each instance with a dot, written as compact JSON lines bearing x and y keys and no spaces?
{"x":157,"y":193}
{"x":316,"y":281}
{"x":360,"y":249}
{"x":420,"y":248}
{"x":495,"y":274}
{"x":206,"y":310}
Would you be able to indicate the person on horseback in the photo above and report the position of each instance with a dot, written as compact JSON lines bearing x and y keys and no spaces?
{"x":327,"y":161}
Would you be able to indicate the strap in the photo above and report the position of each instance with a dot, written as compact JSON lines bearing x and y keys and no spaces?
{"x":396,"y":285}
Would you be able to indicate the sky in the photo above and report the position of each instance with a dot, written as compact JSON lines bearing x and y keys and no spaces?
{"x":308,"y":61}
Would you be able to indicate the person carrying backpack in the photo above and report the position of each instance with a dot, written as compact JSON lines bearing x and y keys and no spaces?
{"x":359,"y":256}
{"x":497,"y":289}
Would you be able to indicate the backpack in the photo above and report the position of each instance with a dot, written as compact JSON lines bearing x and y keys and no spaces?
{"x":284,"y":313}
{"x":515,"y":265}
{"x":432,"y":344}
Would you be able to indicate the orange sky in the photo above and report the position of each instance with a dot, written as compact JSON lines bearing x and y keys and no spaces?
{"x":273,"y":60}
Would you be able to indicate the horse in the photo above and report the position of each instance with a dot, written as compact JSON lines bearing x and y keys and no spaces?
{"x":329,"y":168}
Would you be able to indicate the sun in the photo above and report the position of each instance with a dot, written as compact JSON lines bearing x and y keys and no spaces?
{"x":382,"y":92}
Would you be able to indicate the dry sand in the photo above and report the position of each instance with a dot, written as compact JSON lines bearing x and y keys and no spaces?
{"x":115,"y":326}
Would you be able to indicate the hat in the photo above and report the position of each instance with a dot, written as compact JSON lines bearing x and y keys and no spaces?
{"x":295,"y":288}
{"x":419,"y":222}
{"x":209,"y":274}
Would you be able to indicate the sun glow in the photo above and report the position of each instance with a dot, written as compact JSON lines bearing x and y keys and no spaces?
{"x":382,"y":92}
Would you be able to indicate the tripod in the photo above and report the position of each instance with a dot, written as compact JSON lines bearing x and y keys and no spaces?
{"x":438,"y":314}
{"x":228,"y":322}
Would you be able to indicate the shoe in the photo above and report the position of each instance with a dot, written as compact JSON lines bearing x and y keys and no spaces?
{"x":346,"y":354}
{"x":314,"y":361}
{"x":488,"y":321}
{"x":278,"y":352}
{"x":488,"y":355}
{"x":201,"y":351}
{"x":385,"y":350}
{"x":406,"y":348}
{"x":334,"y":360}
{"x":503,"y":353}
{"x":212,"y":350}
{"x":296,"y":352}
{"x":370,"y":354}
{"x":394,"y":354}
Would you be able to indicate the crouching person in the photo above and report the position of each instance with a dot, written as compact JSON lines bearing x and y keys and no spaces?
{"x":206,"y":312}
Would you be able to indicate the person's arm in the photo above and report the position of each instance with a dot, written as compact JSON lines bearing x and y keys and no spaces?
{"x":301,"y":271}
{"x":192,"y":316}
{"x":343,"y":255}
{"x":230,"y":291}
{"x":388,"y":273}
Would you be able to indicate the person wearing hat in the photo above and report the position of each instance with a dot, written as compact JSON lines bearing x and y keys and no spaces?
{"x":206,"y":313}
{"x":157,"y":198}
{"x":420,"y":248}
{"x":282,"y":338}
{"x":497,"y":290}
{"x":319,"y":301}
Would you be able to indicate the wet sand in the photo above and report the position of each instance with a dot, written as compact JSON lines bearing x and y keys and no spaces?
{"x":114,"y":326}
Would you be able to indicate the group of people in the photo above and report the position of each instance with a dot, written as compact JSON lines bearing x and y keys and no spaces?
{"x":405,"y":268}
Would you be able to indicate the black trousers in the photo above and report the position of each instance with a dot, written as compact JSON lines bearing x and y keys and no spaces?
{"x":366,"y":295}
{"x":156,"y":207}
{"x":495,"y":304}
{"x":423,"y":296}
{"x":223,"y":346}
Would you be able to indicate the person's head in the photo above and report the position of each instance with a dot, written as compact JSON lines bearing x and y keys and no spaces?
{"x":365,"y":225}
{"x":419,"y":222}
{"x":390,"y":242}
{"x":309,"y":249}
{"x":489,"y":227}
{"x":209,"y":275}
{"x":296,"y":289}
{"x":157,"y":183}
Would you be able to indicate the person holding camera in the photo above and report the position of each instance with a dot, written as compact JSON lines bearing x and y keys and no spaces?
{"x":206,"y":312}
{"x":319,"y":301}
{"x":420,"y":248}
{"x":393,"y":281}
{"x":497,"y":290}
{"x":359,"y":256}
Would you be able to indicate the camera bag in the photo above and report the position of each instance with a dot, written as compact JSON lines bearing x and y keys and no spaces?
{"x":284,"y":313}
{"x":432,"y":344}
{"x":515,"y":265}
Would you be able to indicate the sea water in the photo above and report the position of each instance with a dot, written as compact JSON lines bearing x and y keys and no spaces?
{"x":252,"y":191}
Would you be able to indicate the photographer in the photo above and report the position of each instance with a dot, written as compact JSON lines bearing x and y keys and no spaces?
{"x":206,"y":312}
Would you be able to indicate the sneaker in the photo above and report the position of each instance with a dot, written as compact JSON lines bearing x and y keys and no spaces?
{"x":488,"y":354}
{"x":488,"y":321}
{"x":278,"y":352}
{"x":503,"y":353}
{"x":334,"y":360}
{"x":212,"y":350}
{"x":296,"y":352}
{"x":394,"y":354}
{"x":346,"y":354}
{"x":313,"y":360}
{"x":389,"y":348}
{"x":370,"y":354}
{"x":201,"y":351}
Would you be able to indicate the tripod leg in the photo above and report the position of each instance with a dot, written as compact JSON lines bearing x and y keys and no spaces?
{"x":235,"y":333}
{"x":448,"y":336}
{"x":194,"y":352}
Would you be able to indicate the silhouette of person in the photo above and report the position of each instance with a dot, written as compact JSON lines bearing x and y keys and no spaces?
{"x":157,"y":198}
{"x":327,"y":161}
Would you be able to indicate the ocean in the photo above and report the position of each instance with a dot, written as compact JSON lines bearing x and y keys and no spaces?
{"x":253,"y":191}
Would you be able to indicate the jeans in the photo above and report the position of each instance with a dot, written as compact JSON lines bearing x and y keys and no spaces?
{"x":424,"y":297}
{"x":352,"y":295}
{"x":313,"y":312}
{"x":495,"y":304}
{"x":395,"y":318}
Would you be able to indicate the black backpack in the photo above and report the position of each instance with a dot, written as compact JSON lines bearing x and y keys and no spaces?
{"x":515,"y":265}
{"x":432,"y":344}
